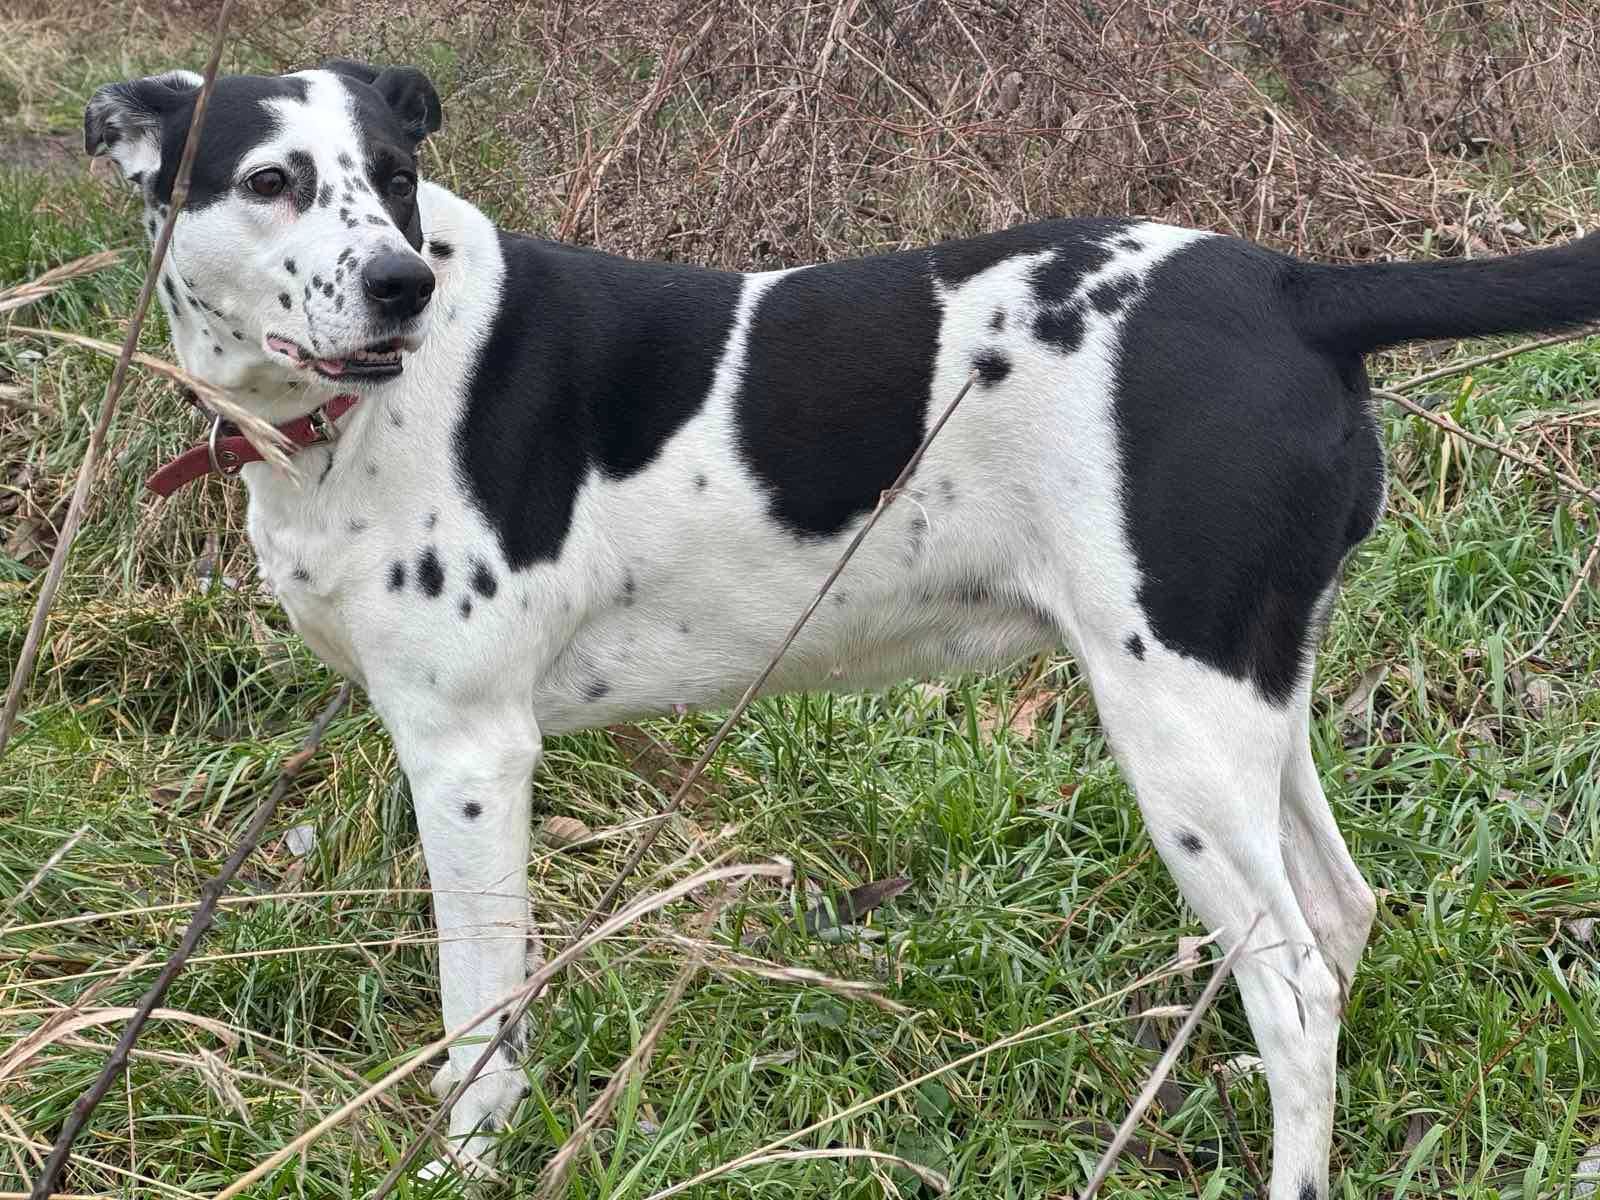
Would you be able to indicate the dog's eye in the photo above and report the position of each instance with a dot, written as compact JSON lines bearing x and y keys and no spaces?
{"x":267,"y":182}
{"x":402,"y":184}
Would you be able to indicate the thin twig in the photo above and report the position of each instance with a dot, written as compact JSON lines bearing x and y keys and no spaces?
{"x":1566,"y":607}
{"x":1472,"y":364}
{"x":209,"y":894}
{"x":887,"y":498}
{"x":1572,"y":484}
{"x":560,"y":1165}
{"x":97,"y":436}
{"x":1162,"y":1068}
{"x":1220,"y":1077}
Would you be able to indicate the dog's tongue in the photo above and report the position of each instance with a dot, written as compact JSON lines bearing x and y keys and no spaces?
{"x":331,"y":366}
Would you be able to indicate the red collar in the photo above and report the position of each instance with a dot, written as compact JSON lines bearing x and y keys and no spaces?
{"x":230,"y":449}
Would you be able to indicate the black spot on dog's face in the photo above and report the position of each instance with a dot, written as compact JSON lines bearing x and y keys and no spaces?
{"x":283,"y":299}
{"x":466,"y":608}
{"x":595,"y":689}
{"x":992,"y":366}
{"x":172,"y":292}
{"x":374,"y":219}
{"x":397,"y":576}
{"x":344,"y":256}
{"x":300,"y":574}
{"x":472,"y":810}
{"x":429,"y":573}
{"x":237,"y":336}
{"x":356,"y":525}
{"x":372,"y":470}
{"x":346,"y":161}
{"x":327,"y":290}
{"x":629,"y":587}
{"x":441,"y":248}
{"x":288,"y":265}
{"x":683,"y":628}
{"x":216,"y":349}
{"x":1191,"y":844}
{"x":1110,"y":296}
{"x":699,"y":483}
{"x":1134,"y":645}
{"x":432,"y":519}
{"x":483,"y":582}
{"x":395,"y":419}
{"x":998,"y":321}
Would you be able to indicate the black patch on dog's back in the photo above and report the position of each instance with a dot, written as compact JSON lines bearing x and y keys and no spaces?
{"x":836,"y":386}
{"x":1081,"y":246}
{"x":1251,"y":462}
{"x":593,"y":363}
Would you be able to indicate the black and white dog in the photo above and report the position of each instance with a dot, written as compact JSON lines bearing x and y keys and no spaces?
{"x":553,"y":489}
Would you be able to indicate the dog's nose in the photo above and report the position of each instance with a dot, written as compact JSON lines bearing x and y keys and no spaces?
{"x":399,"y":284}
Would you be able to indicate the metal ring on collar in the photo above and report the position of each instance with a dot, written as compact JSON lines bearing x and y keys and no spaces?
{"x":226,"y":462}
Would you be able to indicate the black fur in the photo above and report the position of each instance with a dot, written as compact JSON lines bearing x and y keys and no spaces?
{"x":827,"y":433}
{"x":1251,"y":462}
{"x":1080,"y":247}
{"x":592,"y":364}
{"x":237,"y":119}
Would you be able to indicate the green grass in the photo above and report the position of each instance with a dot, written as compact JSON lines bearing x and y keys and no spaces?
{"x":161,"y":709}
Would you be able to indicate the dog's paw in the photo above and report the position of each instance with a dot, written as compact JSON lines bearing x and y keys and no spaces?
{"x":481,"y":1112}
{"x":443,"y":1080}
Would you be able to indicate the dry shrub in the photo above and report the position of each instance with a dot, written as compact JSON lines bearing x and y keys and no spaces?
{"x":747,"y":133}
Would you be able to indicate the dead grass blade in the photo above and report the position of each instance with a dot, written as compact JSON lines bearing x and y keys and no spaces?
{"x":33,"y":290}
{"x":34,"y":1045}
{"x":1051,"y":1027}
{"x":532,"y":986}
{"x":636,"y":1064}
{"x":210,"y":893}
{"x":264,"y":436}
{"x":43,"y":872}
{"x":1165,"y":1065}
{"x":97,"y":436}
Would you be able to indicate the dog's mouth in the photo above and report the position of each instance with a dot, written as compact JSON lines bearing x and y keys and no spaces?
{"x":380,"y":360}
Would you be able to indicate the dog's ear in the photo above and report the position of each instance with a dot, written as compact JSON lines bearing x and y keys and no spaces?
{"x":406,"y":90}
{"x":125,"y":120}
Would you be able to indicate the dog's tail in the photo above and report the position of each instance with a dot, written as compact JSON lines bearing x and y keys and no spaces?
{"x":1357,"y":309}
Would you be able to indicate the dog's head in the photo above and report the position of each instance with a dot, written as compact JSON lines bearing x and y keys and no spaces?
{"x":297,"y":255}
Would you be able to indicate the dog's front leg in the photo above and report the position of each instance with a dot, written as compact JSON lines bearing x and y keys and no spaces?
{"x":470,"y":786}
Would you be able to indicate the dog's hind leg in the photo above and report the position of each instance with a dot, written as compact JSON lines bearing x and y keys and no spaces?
{"x":1207,"y":757}
{"x":1337,"y":902}
{"x":470,"y":771}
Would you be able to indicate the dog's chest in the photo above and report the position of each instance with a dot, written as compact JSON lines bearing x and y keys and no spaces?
{"x":314,"y":546}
